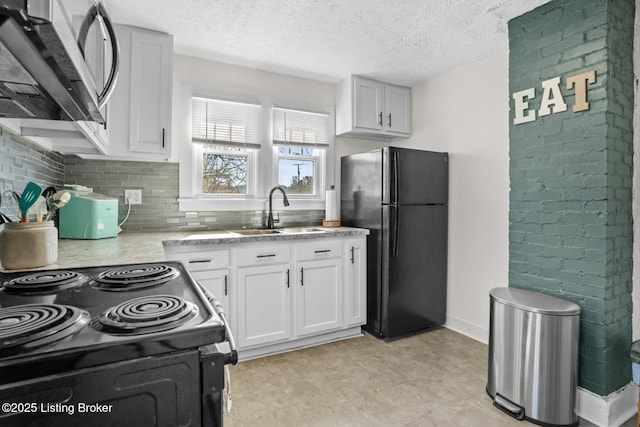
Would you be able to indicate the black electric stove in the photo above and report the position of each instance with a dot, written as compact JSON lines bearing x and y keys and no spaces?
{"x":130,"y":336}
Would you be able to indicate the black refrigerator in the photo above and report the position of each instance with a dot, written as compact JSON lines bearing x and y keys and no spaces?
{"x":401,"y":195}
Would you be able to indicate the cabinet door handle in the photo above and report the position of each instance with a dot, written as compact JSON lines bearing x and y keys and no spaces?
{"x":199,"y":261}
{"x":322,"y":251}
{"x":287,"y":277}
{"x":380,"y":118}
{"x":265,"y":256}
{"x":302,"y":277}
{"x":163,"y":135}
{"x":389,"y":121}
{"x":226,"y":281}
{"x":353,"y":257}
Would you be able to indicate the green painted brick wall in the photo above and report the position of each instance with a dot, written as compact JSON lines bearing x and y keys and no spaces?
{"x":570,"y":220}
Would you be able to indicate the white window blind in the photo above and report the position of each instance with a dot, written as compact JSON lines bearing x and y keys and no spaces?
{"x":295,"y":127}
{"x":225,"y":123}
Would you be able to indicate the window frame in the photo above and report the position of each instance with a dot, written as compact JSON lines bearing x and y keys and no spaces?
{"x":318,"y":185}
{"x":200,"y":151}
{"x":263,"y":168}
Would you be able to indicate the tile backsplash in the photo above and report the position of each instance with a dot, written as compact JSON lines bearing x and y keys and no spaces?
{"x":22,"y":161}
{"x":159,"y":208}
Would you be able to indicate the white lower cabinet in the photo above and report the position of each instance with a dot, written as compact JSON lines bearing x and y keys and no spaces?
{"x":283,"y":295}
{"x":216,"y":282}
{"x":264,"y":305}
{"x":319,"y":296}
{"x":211,"y":270}
{"x":318,"y":286}
{"x":355,"y":279}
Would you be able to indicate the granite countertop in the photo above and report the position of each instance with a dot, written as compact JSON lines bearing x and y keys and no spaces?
{"x":129,"y":248}
{"x":229,"y":237}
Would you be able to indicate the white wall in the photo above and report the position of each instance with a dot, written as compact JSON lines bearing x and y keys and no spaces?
{"x":466,"y":113}
{"x":205,"y":77}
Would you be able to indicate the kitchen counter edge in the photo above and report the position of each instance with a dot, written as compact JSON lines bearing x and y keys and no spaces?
{"x":219,"y":238}
{"x":147,"y":247}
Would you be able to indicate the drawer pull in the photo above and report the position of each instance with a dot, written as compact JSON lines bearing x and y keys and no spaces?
{"x":199,"y":261}
{"x":322,"y":251}
{"x":266,"y":256}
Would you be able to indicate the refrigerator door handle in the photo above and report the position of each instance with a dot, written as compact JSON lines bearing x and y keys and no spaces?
{"x":396,"y":176}
{"x":395,"y":220}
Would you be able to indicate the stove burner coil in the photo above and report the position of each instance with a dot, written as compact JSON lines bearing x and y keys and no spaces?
{"x":134,"y":277}
{"x":37,"y":324}
{"x":146,"y":314}
{"x":44,"y":282}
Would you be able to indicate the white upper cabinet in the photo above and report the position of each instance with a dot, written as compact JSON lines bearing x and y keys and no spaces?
{"x":371,"y":109}
{"x":367,"y":104}
{"x":397,"y":101}
{"x":150,"y":97}
{"x":139,"y":121}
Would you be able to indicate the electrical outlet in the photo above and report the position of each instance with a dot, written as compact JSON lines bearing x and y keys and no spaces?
{"x":133,"y":197}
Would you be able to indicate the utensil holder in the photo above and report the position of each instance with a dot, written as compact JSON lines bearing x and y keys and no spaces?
{"x":28,"y":245}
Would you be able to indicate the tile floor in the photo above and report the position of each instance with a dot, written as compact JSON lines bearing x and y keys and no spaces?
{"x":433,"y":379}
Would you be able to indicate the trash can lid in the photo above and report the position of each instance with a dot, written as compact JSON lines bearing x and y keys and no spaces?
{"x":534,"y":302}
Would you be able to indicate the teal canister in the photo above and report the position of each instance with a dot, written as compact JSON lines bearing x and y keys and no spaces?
{"x":28,"y":245}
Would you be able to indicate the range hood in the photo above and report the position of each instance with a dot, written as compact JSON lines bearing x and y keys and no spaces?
{"x":43,"y":73}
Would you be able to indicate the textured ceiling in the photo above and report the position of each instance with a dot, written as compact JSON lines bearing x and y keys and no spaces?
{"x":398,"y":41}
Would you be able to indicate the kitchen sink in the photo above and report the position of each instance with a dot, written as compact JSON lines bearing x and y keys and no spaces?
{"x":299,"y":230}
{"x":254,"y":231}
{"x":209,"y":235}
{"x":285,"y":230}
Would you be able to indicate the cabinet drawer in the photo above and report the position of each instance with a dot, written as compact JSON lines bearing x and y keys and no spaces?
{"x":258,"y":255}
{"x":318,"y":249}
{"x":199,"y":261}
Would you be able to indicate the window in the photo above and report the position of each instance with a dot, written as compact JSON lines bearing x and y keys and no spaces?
{"x":227,"y":131}
{"x":300,"y":139}
{"x":240,"y":150}
{"x":225,"y":170}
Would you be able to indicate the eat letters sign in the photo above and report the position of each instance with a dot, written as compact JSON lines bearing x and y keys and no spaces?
{"x":552,"y":100}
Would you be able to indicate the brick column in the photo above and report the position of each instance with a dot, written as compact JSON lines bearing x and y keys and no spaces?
{"x":570,"y":221}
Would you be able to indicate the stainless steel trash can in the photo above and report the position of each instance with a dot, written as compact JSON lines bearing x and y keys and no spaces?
{"x":533,"y":356}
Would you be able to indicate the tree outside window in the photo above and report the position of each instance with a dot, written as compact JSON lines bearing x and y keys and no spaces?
{"x":224,"y":173}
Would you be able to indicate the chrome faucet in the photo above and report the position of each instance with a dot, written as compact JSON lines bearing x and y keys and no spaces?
{"x":285,"y":201}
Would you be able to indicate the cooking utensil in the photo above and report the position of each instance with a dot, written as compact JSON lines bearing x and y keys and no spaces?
{"x":47,"y":194}
{"x":60,"y":199}
{"x":29,"y":196}
{"x":39,"y":208}
{"x":9,"y":204}
{"x":49,"y":191}
{"x":3,"y":218}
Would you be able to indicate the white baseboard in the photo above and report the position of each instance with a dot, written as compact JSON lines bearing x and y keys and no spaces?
{"x":469,"y":329}
{"x":607,"y":411}
{"x":286,"y":346}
